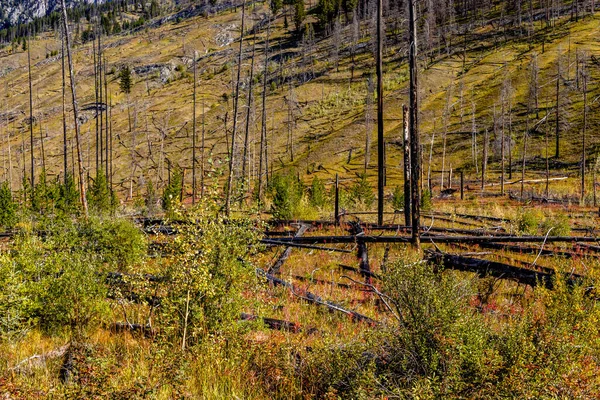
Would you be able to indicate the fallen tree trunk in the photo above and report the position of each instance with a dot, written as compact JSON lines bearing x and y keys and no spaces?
{"x":275,"y":324}
{"x":274,"y":269}
{"x":313,"y":298}
{"x":440,"y":239}
{"x":531,"y":250}
{"x":498,"y":269}
{"x":304,"y":246}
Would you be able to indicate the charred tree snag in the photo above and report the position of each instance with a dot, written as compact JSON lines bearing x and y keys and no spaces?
{"x":415,"y":146}
{"x":380,"y":138}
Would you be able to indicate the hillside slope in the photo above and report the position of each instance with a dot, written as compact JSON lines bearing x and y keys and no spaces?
{"x":461,"y":91}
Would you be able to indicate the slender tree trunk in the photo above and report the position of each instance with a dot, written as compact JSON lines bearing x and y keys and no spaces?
{"x":407,"y":176}
{"x":583,"y":149}
{"x":263,"y":136}
{"x":30,"y":114}
{"x":415,"y":145}
{"x":82,"y":193}
{"x":557,"y":124}
{"x":380,"y":128}
{"x":96,"y":99}
{"x":194,"y":133}
{"x":202,"y":144}
{"x":235,"y":115}
{"x":525,"y":134}
{"x":245,"y":160}
{"x":484,"y":159}
{"x":64,"y":107}
{"x":106,"y":119}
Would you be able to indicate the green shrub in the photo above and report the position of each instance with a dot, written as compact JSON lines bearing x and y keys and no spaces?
{"x":207,"y":273}
{"x":318,"y":194}
{"x":75,"y":298}
{"x":528,"y":222}
{"x":559,"y":224}
{"x":101,"y":198}
{"x":68,"y":196}
{"x":286,"y":192}
{"x":398,"y":198}
{"x":426,"y":200}
{"x":171,"y":198}
{"x":361,"y":193}
{"x":8,"y":207}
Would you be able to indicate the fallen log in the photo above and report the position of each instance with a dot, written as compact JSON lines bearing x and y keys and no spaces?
{"x":274,"y":269}
{"x":120,"y":327}
{"x":498,"y":270}
{"x":313,"y":298}
{"x":275,"y":324}
{"x":439,"y":239}
{"x":531,"y":250}
{"x":304,"y":246}
{"x":358,"y":271}
{"x":37,"y":361}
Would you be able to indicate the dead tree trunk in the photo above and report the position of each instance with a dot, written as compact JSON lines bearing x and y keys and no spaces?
{"x":415,"y":146}
{"x":235,"y":117}
{"x":407,"y":187}
{"x":30,"y":114}
{"x":64,"y":106}
{"x":82,"y":193}
{"x":245,"y":161}
{"x":194,"y":133}
{"x":380,"y":137}
{"x":263,"y":135}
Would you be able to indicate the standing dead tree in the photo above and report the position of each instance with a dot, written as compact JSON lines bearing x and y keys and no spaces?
{"x":415,"y":145}
{"x":235,"y":118}
{"x":82,"y":193}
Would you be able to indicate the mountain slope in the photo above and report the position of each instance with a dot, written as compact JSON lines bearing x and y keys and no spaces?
{"x":314,"y":109}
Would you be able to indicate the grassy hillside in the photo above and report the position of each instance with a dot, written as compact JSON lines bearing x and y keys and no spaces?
{"x":460,"y":88}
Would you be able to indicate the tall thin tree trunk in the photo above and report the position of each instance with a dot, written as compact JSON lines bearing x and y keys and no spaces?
{"x":202,"y":144}
{"x":484,"y":159}
{"x":235,"y":115}
{"x":557,"y":125}
{"x":583,"y":149}
{"x":415,"y":145}
{"x":407,"y":186}
{"x":30,"y":114}
{"x":263,"y":136}
{"x":64,"y":107}
{"x":194,"y":133}
{"x":380,"y":128}
{"x":82,"y":193}
{"x":245,"y":161}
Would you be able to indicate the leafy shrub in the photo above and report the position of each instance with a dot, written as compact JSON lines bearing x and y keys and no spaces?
{"x":287,"y":193}
{"x":206,"y":275}
{"x":361,"y":193}
{"x":74,"y":299}
{"x":171,"y":197}
{"x":8,"y":207}
{"x":559,"y":224}
{"x":528,"y":222}
{"x":398,"y":198}
{"x":318,"y":194}
{"x":426,"y":200}
{"x":101,"y":198}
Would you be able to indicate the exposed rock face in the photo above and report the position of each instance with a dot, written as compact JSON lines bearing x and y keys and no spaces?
{"x":16,"y":11}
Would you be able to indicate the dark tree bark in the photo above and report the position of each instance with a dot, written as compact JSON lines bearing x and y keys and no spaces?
{"x":415,"y":145}
{"x":235,"y":117}
{"x":82,"y":193}
{"x":380,"y":136}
